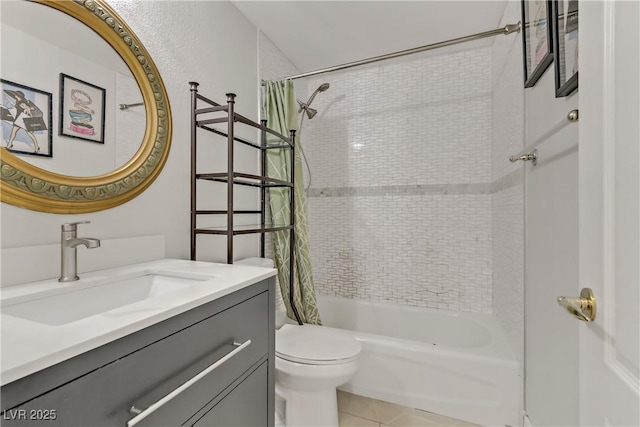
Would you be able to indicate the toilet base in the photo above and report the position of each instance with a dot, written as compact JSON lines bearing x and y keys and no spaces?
{"x":307,"y":384}
{"x":310,"y":408}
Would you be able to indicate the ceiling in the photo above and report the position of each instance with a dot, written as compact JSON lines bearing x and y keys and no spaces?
{"x":320,"y":34}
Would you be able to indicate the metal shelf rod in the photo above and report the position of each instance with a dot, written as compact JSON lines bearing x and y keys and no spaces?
{"x":204,"y":98}
{"x":230,"y":156}
{"x":217,"y":212}
{"x":221,"y":133}
{"x":194,"y":102}
{"x":263,"y":190}
{"x":264,"y":180}
{"x":212,"y":121}
{"x":211,"y":109}
{"x":256,"y":229}
{"x":292,"y":232}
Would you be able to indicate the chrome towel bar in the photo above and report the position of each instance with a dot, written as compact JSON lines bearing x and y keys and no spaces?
{"x":529,"y":154}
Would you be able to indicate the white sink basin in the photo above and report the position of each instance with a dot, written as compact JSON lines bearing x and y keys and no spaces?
{"x":100,"y":295}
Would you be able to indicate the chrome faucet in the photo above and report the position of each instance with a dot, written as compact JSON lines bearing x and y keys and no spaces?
{"x":69,"y":255}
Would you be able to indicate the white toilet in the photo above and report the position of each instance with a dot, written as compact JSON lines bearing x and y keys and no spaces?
{"x":311,"y":361}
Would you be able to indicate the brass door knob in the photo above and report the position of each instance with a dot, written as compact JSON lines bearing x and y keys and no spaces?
{"x":583,"y":308}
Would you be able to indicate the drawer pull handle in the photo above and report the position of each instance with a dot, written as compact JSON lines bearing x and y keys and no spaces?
{"x":141,"y":415}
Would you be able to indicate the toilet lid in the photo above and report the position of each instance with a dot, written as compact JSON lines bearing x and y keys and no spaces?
{"x":313,"y":344}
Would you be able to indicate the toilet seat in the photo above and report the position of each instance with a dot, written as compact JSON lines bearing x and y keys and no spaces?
{"x":315,"y":345}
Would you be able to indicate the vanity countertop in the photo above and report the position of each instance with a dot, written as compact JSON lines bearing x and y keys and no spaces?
{"x":29,"y":345}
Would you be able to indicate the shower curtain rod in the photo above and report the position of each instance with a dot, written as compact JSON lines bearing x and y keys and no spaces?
{"x":507,"y":29}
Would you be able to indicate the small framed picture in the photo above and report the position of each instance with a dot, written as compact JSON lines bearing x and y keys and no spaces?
{"x":82,"y":109}
{"x":565,"y":17}
{"x":536,"y":37}
{"x":26,"y":120}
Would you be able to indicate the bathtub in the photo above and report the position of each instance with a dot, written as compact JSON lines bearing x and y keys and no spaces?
{"x":453,"y":364}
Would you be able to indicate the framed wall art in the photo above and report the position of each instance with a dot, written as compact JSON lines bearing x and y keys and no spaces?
{"x":82,"y":109}
{"x":26,"y":119}
{"x":565,"y":19}
{"x":537,"y":39}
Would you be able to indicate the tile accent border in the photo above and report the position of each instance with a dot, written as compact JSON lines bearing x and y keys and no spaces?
{"x":510,"y":180}
{"x":401,"y":190}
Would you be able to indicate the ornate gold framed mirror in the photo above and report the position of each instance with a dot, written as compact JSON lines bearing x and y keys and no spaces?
{"x":26,"y":185}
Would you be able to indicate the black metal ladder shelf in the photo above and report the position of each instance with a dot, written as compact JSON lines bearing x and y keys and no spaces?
{"x":201,"y":118}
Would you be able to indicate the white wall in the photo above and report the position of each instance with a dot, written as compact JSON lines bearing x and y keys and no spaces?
{"x":273,"y":64}
{"x":208,"y":42}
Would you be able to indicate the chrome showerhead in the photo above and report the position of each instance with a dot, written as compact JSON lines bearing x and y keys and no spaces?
{"x":321,"y":88}
{"x":304,"y":106}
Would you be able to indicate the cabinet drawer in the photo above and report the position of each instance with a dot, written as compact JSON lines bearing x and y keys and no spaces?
{"x":147,"y":375}
{"x":244,"y":406}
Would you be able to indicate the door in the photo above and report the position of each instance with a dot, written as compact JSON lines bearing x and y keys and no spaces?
{"x":551,"y":337}
{"x":609,"y":216}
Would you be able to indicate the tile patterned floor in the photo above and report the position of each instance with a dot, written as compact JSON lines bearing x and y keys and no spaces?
{"x":359,"y":411}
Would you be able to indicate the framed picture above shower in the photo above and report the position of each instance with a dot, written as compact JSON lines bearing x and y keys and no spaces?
{"x":537,"y":39}
{"x":565,"y":38}
{"x":82,"y":109}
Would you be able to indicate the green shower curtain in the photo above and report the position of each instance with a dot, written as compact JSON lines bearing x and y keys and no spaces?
{"x":280,"y":109}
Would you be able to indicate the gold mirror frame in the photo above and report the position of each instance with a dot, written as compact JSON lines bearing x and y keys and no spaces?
{"x":27,"y":186}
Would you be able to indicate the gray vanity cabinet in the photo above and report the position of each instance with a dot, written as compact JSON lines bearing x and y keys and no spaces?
{"x":228,"y":413}
{"x":210,"y":366}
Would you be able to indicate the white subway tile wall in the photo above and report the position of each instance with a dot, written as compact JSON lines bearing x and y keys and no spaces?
{"x":417,"y":121}
{"x":399,"y":206}
{"x":428,"y":251}
{"x":508,"y":277}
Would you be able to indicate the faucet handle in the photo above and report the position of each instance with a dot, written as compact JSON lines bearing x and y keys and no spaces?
{"x":73,"y":226}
